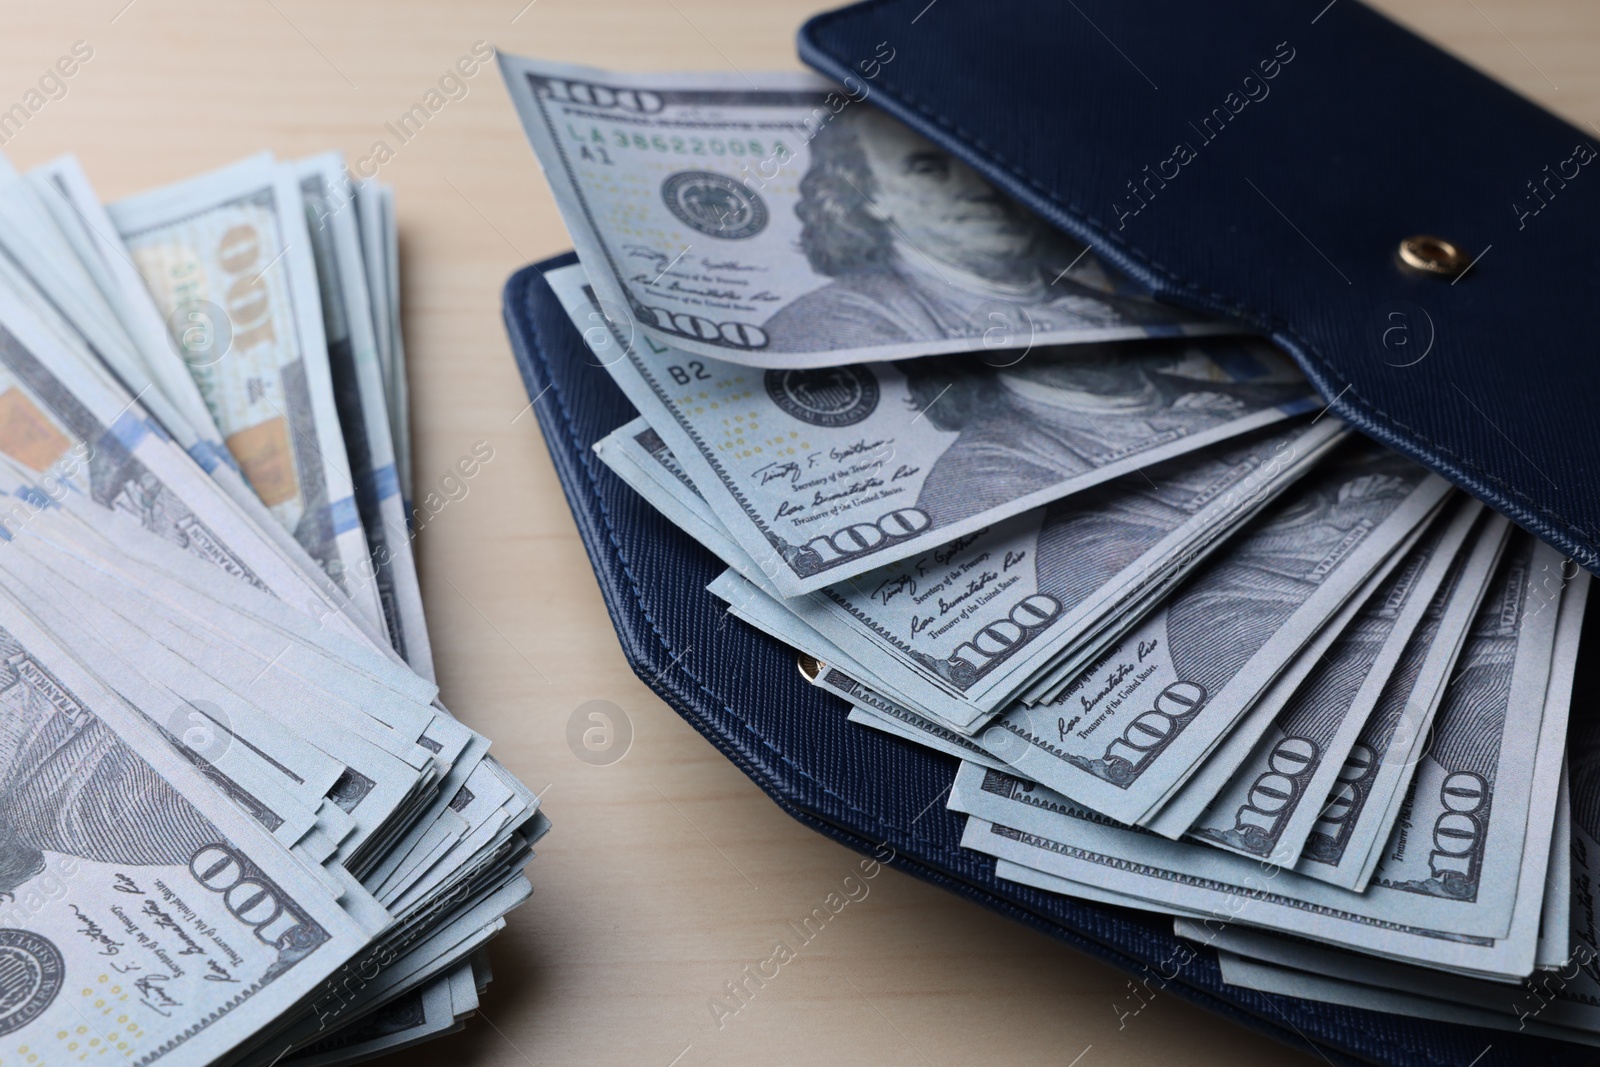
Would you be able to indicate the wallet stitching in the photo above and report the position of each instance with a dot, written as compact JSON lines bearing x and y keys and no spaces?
{"x":1309,"y":350}
{"x":585,"y":463}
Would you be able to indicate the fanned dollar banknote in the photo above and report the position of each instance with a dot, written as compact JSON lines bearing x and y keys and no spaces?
{"x":822,"y":475}
{"x":236,"y":823}
{"x":230,"y":263}
{"x":1132,"y":726}
{"x":1268,"y":805}
{"x":776,"y":221}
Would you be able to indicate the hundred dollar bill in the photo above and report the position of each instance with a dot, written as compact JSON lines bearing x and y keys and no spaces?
{"x":1463,"y":889}
{"x":229,"y":261}
{"x":1015,"y":872}
{"x":42,"y":264}
{"x":875,"y":703}
{"x":150,"y":637}
{"x":1563,"y":993}
{"x":637,"y":454}
{"x":1556,"y":942}
{"x":961,"y":628}
{"x":1354,"y":822}
{"x":82,"y":441}
{"x":398,"y":379}
{"x":746,"y":600}
{"x":1468,"y":794}
{"x":926,"y":733}
{"x":255,"y":775}
{"x":421,"y":1015}
{"x":1183,"y":807}
{"x":161,"y":379}
{"x":262,"y":700}
{"x":361,"y":399}
{"x":122,"y":872}
{"x":777,"y":222}
{"x":1269,"y":805}
{"x":821,"y":475}
{"x":1133,"y":726}
{"x":277,"y":630}
{"x":392,"y":969}
{"x":1567,"y":992}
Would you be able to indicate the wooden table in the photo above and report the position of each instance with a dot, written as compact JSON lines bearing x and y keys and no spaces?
{"x":668,"y":871}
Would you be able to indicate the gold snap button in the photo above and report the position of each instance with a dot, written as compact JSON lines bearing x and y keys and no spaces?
{"x":811,"y":668}
{"x":1433,"y":255}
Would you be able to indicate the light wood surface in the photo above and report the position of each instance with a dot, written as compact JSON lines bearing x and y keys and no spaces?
{"x":668,"y":871}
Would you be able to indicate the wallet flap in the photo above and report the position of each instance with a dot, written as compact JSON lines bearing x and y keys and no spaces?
{"x":878,"y":794}
{"x":1263,"y":161}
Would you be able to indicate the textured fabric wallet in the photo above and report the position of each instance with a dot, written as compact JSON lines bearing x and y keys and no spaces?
{"x":866,"y":789}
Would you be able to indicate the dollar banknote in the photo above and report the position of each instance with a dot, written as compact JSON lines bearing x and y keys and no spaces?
{"x":963,"y":628}
{"x":1184,"y":806}
{"x":1010,"y":871}
{"x":158,"y":655}
{"x":256,"y":774}
{"x":960,"y":628}
{"x":920,"y":731}
{"x":1268,"y":806}
{"x":1479,"y":756}
{"x":1354,"y":822}
{"x":398,"y":377}
{"x":776,"y":221}
{"x":453,"y":814}
{"x":1134,"y":517}
{"x":638,"y":455}
{"x":1133,"y":726}
{"x":1461,"y":884}
{"x":189,"y":928}
{"x":434,"y":1009}
{"x":821,"y":475}
{"x":1563,"y":994}
{"x":228,"y":258}
{"x":362,"y":401}
{"x":155,"y":373}
{"x":69,"y":433}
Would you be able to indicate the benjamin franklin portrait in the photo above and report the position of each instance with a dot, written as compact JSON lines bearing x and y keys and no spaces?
{"x":919,"y":246}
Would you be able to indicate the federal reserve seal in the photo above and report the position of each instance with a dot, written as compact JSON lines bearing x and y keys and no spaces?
{"x":31,"y":973}
{"x":825,"y":396}
{"x":714,"y":204}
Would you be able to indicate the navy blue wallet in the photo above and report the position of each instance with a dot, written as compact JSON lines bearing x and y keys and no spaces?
{"x":1319,"y":136}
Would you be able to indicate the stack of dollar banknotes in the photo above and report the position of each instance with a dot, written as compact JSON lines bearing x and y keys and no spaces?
{"x":1200,"y":648}
{"x":236,"y":824}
